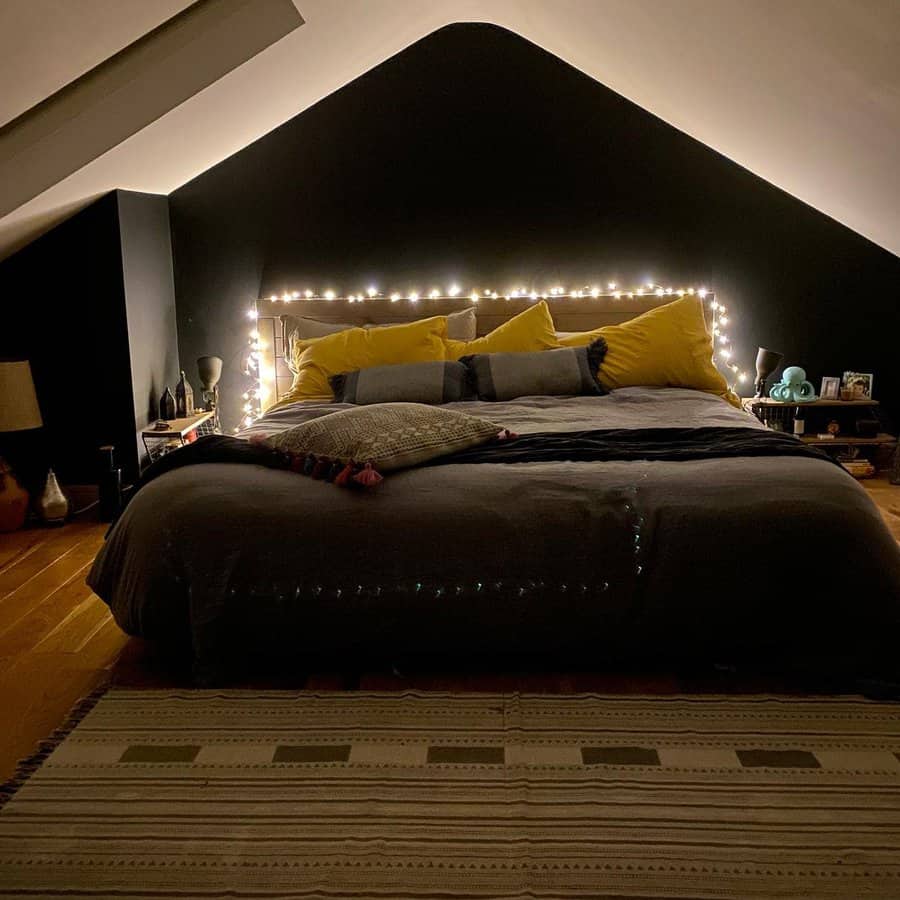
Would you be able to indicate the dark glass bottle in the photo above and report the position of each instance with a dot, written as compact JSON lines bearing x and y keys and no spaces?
{"x":799,"y":421}
{"x":167,"y":405}
{"x":109,"y":485}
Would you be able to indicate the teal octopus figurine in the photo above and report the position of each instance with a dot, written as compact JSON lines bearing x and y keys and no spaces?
{"x":793,"y":387}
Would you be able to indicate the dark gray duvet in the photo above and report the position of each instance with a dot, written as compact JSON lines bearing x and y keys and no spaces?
{"x":759,"y":559}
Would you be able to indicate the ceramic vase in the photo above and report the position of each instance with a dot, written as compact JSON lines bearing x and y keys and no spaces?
{"x":13,"y":500}
{"x":53,"y":505}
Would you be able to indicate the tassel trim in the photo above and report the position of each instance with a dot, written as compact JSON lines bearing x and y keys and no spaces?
{"x":368,"y":477}
{"x":348,"y":474}
{"x":596,"y":353}
{"x":28,"y":766}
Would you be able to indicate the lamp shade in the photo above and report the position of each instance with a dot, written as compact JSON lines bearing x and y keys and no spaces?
{"x":19,"y":408}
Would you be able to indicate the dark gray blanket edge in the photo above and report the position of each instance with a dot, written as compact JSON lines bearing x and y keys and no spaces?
{"x":596,"y":445}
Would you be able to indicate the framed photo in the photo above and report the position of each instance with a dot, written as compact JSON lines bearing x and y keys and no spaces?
{"x":831,"y":388}
{"x":859,"y":384}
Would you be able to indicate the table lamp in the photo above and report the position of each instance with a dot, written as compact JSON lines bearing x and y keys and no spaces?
{"x":767,"y":361}
{"x":19,"y":411}
{"x":210,"y":369}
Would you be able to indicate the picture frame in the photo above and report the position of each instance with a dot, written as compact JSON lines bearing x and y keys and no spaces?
{"x":859,"y":384}
{"x":831,"y":388}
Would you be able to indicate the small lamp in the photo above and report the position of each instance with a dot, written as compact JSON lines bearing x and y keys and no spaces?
{"x":210,"y":369}
{"x":767,"y":361}
{"x":19,"y":411}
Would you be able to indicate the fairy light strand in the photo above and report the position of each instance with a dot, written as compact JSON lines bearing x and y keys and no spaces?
{"x":254,"y":397}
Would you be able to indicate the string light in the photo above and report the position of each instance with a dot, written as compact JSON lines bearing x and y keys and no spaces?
{"x":264,"y":376}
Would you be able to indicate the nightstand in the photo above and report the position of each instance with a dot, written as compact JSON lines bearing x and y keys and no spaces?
{"x":178,"y":433}
{"x":779,"y":416}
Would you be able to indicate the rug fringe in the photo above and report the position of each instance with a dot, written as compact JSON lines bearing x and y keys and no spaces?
{"x":26,"y":767}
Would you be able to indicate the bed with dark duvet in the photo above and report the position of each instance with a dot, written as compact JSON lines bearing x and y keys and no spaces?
{"x":760,"y":558}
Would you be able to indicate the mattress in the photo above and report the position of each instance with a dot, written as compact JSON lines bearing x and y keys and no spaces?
{"x":715,"y":560}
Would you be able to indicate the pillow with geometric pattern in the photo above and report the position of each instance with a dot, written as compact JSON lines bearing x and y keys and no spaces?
{"x":357,"y":443}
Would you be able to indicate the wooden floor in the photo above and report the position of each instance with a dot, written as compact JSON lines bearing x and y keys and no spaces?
{"x":58,"y":641}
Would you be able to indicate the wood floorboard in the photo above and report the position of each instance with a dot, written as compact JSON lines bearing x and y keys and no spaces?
{"x":57,"y":544}
{"x":18,"y":635}
{"x":57,"y":639}
{"x":37,"y":589}
{"x":58,"y":642}
{"x":14,"y":546}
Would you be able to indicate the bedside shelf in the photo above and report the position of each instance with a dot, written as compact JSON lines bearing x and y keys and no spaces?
{"x":750,"y":402}
{"x":179,"y":427}
{"x":158,"y":443}
{"x":849,"y":441}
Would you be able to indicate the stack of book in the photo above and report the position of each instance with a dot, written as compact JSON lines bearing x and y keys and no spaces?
{"x":859,"y":468}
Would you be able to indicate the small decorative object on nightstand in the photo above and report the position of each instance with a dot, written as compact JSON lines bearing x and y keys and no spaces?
{"x":831,"y":388}
{"x":158,"y":441}
{"x":52,"y":504}
{"x":767,"y":361}
{"x":184,"y":398}
{"x":859,"y":384}
{"x":167,"y":405}
{"x":210,"y":370}
{"x":13,"y":500}
{"x":793,"y":387}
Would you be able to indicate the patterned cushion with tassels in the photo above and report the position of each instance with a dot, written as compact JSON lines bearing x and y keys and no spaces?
{"x":355,"y":445}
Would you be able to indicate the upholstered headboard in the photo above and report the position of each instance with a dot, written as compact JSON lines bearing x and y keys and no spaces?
{"x":570,"y":313}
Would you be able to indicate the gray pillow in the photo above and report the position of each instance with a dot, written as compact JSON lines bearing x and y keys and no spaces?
{"x":423,"y":382}
{"x":461,"y":326}
{"x":568,"y":371}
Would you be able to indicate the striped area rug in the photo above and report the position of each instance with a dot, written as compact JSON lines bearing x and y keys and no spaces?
{"x":437,"y":795}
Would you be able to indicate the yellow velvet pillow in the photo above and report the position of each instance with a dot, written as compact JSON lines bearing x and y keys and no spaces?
{"x":317,"y":359}
{"x":529,"y":331}
{"x":669,"y":346}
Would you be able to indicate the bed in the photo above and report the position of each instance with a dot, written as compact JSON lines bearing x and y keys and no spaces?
{"x":717,"y":560}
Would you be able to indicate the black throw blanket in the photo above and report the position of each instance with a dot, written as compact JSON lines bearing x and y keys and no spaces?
{"x":607,"y":444}
{"x":597,"y":445}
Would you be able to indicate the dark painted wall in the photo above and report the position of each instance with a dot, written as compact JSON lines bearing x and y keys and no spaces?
{"x":476,"y":156}
{"x":91,"y":305}
{"x":65,"y":295}
{"x":149,"y":302}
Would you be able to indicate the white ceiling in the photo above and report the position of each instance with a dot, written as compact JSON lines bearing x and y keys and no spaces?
{"x":805,"y":93}
{"x":45,"y":44}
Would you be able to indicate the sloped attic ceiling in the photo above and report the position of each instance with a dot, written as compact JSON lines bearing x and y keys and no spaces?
{"x":804,"y":93}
